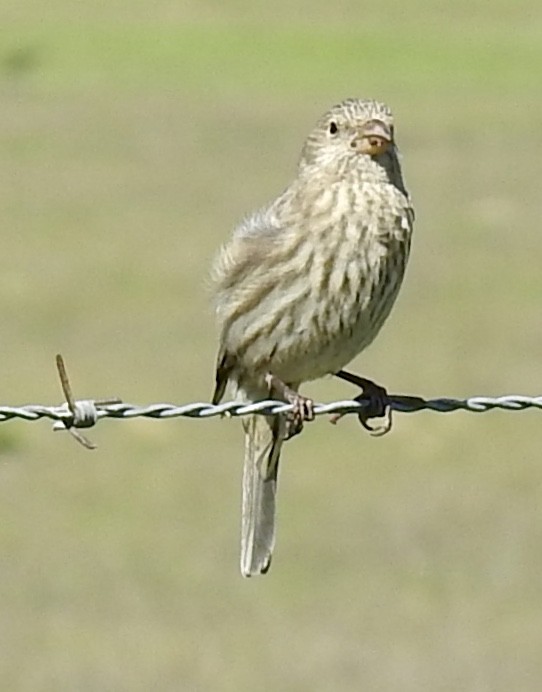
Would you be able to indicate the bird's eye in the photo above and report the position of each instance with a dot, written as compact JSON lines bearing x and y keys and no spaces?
{"x":333,"y":129}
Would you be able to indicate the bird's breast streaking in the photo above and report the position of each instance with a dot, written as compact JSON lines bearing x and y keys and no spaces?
{"x":352,"y":272}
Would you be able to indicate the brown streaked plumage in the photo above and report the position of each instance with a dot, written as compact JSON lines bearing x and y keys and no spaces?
{"x":305,"y":284}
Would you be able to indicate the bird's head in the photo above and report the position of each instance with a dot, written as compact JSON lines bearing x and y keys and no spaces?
{"x":354,"y":132}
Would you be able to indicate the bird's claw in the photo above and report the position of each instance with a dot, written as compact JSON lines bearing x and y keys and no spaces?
{"x":303,"y":410}
{"x":376,"y":405}
{"x":302,"y":407}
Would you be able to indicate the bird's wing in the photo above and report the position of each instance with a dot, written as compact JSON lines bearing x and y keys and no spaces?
{"x":239,"y":266}
{"x":260,"y":223}
{"x":243,"y":258}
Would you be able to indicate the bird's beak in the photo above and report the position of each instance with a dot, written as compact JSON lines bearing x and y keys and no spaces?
{"x":373,"y":139}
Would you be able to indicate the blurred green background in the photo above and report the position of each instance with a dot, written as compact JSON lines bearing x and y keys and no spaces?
{"x":133,"y":136}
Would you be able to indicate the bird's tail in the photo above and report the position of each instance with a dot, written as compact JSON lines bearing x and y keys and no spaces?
{"x":263,"y":441}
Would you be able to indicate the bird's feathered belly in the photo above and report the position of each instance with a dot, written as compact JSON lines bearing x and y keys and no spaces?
{"x":321,"y":295}
{"x":352,"y":282}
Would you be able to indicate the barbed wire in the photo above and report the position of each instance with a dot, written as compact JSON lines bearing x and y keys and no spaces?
{"x":75,"y":414}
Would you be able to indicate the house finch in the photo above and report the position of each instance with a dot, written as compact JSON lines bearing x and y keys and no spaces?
{"x":303,"y":285}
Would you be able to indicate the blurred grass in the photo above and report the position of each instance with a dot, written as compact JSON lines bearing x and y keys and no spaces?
{"x":130,"y":142}
{"x":215,"y":57}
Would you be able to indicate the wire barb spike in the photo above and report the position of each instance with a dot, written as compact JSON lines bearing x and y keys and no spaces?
{"x":82,"y":413}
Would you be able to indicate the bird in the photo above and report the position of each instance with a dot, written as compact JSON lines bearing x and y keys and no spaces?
{"x":303,"y":285}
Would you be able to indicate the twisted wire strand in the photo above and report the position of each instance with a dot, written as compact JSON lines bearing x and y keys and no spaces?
{"x":75,"y":414}
{"x":88,"y":412}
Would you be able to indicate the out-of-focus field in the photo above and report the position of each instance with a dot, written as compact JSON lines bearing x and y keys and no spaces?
{"x":132,"y":138}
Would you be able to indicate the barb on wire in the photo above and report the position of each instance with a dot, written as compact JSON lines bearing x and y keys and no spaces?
{"x":75,"y":414}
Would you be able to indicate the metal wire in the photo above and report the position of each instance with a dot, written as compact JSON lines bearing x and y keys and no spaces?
{"x":89,"y":412}
{"x":76,"y":414}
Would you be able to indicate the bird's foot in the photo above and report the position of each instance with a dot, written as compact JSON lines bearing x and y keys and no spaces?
{"x":376,"y":400}
{"x":303,"y":408}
